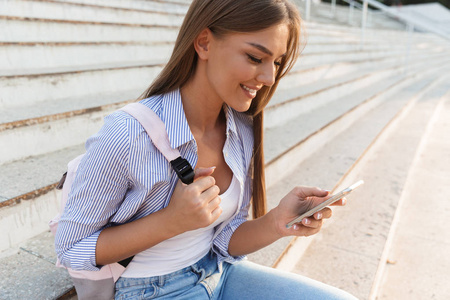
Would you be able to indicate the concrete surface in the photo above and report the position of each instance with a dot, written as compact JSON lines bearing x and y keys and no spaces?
{"x":418,"y":263}
{"x":30,"y":273}
{"x":348,"y":250}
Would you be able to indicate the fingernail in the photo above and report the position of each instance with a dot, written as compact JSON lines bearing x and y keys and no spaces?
{"x":307,"y":221}
{"x":295,"y":227}
{"x":319,"y":216}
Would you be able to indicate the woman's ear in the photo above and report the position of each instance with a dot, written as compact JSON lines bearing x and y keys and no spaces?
{"x":202,"y":44}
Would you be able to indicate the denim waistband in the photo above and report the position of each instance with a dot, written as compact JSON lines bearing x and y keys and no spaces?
{"x":208,"y":262}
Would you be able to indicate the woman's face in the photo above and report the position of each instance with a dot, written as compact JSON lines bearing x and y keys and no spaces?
{"x":240,"y":64}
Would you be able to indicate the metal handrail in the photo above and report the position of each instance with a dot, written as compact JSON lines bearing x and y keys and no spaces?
{"x":402,"y":17}
{"x":409,"y":21}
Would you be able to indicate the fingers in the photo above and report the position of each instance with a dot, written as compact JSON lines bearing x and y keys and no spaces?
{"x":210,"y":193}
{"x":204,"y":183}
{"x":307,"y":191}
{"x":323,"y":214}
{"x":307,"y":227}
{"x":215,"y":214}
{"x":203,"y":172}
{"x":203,"y":179}
{"x":316,"y":220}
{"x":341,"y":202}
{"x":214,"y":207}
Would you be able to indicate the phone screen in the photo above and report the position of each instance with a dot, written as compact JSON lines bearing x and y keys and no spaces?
{"x":322,"y":205}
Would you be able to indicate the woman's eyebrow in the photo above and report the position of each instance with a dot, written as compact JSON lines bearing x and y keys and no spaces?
{"x":261,"y":48}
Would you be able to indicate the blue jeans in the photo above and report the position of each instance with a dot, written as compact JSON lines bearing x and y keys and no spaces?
{"x":242,"y":280}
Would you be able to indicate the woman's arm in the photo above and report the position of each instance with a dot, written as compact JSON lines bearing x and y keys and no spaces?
{"x":256,"y":234}
{"x":120,"y":242}
{"x":84,"y":239}
{"x":191,"y":207}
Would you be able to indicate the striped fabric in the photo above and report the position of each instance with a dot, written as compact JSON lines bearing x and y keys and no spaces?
{"x":123,"y":177}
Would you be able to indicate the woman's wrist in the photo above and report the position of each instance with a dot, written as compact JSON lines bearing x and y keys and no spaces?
{"x":168,"y":224}
{"x":273,"y":219}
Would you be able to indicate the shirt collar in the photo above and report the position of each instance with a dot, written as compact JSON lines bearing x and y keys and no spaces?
{"x":178,"y":128}
{"x":175,"y":120}
{"x":231,"y":122}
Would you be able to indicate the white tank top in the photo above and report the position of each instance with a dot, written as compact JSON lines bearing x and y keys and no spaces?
{"x":185,"y":249}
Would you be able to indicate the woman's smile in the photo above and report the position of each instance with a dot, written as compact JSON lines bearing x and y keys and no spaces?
{"x":251,"y":93}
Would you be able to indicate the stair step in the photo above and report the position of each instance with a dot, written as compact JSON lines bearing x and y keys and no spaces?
{"x":302,"y":74}
{"x":410,"y":236}
{"x":28,"y":199}
{"x":53,"y":56}
{"x":311,"y":73}
{"x":52,"y":132}
{"x":358,"y":232}
{"x":161,"y":6}
{"x":289,"y":102}
{"x":282,"y":163}
{"x":327,"y":164}
{"x":57,"y":132}
{"x":24,"y":179}
{"x":59,"y":57}
{"x":17,"y":29}
{"x":30,"y":272}
{"x":88,"y":12}
{"x":33,"y":89}
{"x":29,"y":89}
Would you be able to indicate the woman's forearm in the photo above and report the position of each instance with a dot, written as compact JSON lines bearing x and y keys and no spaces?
{"x":120,"y":242}
{"x":253,"y":235}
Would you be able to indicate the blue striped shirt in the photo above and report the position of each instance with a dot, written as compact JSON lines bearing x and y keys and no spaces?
{"x":123,"y":177}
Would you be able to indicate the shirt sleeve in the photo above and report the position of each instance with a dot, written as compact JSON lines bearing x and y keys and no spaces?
{"x":221,"y":242}
{"x":96,"y":194}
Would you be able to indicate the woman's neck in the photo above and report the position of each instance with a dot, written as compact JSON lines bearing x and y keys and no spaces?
{"x":203,"y":112}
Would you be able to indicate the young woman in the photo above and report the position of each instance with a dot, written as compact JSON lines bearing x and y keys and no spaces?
{"x":188,"y":241}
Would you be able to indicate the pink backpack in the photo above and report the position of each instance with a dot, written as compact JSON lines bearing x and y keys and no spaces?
{"x":99,"y":285}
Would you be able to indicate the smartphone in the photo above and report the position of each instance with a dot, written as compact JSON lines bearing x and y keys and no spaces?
{"x":331,"y":200}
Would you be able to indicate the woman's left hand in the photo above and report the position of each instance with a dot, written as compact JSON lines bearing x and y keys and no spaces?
{"x":298,"y":201}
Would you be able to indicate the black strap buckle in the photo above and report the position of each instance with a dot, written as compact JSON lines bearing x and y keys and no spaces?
{"x":61,"y":182}
{"x":183,"y":169}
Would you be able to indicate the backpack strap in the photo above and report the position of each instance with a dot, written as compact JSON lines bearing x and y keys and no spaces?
{"x":156,"y":130}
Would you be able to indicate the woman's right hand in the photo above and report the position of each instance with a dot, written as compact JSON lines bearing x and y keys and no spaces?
{"x":196,"y":205}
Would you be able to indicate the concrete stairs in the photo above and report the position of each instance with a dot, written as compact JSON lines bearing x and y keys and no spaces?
{"x":64,"y":65}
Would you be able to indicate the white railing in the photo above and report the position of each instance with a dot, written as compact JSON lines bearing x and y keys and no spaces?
{"x":410,"y":22}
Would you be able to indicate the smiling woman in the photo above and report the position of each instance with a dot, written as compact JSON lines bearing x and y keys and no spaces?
{"x":245,"y":62}
{"x":189,"y":241}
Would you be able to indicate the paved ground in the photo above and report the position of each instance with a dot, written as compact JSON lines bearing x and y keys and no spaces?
{"x":419,"y":261}
{"x":390,"y":241}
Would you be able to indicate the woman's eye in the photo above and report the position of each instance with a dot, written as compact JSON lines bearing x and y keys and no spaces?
{"x":254,"y":59}
{"x":278,"y":63}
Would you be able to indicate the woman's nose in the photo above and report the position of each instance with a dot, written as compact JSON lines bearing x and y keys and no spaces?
{"x":267,"y":74}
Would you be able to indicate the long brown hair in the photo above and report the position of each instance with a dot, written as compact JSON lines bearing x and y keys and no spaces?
{"x":224,"y":17}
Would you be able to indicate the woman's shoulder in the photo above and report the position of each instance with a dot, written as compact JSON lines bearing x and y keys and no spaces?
{"x":120,"y":119}
{"x":154,"y":103}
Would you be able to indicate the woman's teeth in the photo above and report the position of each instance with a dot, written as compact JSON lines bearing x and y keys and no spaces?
{"x":251,"y":91}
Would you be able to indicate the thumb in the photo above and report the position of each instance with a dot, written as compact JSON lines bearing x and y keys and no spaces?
{"x":305,"y":192}
{"x":202,"y":172}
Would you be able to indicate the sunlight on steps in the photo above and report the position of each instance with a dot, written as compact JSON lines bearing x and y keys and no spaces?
{"x":344,"y":112}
